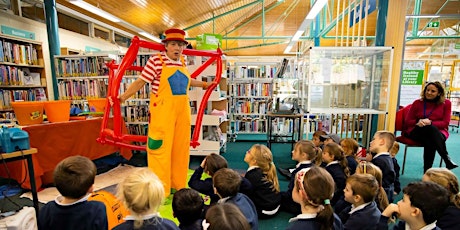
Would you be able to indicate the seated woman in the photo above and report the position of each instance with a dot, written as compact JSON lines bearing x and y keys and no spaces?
{"x":428,"y":121}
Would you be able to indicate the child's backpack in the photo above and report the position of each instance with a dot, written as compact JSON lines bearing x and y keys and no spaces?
{"x":116,"y":211}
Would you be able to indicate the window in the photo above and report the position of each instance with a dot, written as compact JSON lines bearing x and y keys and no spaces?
{"x":73,"y":24}
{"x":122,"y":40}
{"x":102,"y":33}
{"x":33,"y":9}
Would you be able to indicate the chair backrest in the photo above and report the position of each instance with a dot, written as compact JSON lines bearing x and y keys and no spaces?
{"x":400,"y":116}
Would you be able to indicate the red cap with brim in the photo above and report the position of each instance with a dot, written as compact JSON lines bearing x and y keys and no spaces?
{"x":175,"y":35}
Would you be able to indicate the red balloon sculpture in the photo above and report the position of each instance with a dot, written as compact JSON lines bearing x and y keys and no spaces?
{"x":116,"y":73}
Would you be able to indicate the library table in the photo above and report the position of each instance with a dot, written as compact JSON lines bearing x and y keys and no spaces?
{"x":56,"y":141}
{"x":284,"y":128}
{"x":27,"y":155}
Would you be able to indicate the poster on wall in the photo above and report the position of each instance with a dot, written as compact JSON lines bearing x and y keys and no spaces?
{"x":411,"y":81}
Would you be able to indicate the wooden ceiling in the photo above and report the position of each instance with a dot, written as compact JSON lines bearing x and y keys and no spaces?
{"x":256,"y":27}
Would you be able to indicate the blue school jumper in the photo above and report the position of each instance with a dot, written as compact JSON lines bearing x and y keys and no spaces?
{"x":205,"y":186}
{"x":352,"y":164}
{"x":364,"y":217}
{"x":340,"y":179}
{"x":287,"y":203}
{"x":385,"y":163}
{"x":450,"y":219}
{"x":263,"y":195}
{"x":151,"y":222}
{"x":397,"y":169}
{"x":246,"y":206}
{"x":308,"y":221}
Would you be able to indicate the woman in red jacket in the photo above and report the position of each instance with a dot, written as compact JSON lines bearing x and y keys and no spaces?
{"x":428,"y":121}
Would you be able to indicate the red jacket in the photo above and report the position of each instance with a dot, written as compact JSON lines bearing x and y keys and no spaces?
{"x":439,"y":114}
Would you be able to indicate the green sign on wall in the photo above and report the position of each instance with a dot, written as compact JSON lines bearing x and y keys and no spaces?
{"x":17,"y":32}
{"x":412,"y":77}
{"x":208,"y":41}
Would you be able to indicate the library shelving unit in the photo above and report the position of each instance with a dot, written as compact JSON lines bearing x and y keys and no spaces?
{"x":213,"y":135}
{"x":345,"y":88}
{"x":250,"y":94}
{"x":22,"y":72}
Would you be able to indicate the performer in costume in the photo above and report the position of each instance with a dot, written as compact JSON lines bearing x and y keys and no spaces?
{"x":169,"y":124}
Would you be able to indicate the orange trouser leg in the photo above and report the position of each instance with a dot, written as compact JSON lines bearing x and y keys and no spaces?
{"x":180,"y":154}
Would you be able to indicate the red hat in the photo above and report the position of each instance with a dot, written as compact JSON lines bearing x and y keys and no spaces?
{"x":175,"y":35}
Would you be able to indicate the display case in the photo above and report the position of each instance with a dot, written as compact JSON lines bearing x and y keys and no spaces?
{"x":343,"y":86}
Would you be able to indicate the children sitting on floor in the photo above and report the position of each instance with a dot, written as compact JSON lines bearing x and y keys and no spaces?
{"x":225,"y":216}
{"x":142,"y":193}
{"x":74,"y":179}
{"x":363,"y":213}
{"x":188,"y":207}
{"x":226,"y":185}
{"x":422,"y":204}
{"x":450,"y":218}
{"x":304,"y":153}
{"x":313,"y":191}
{"x":380,"y":146}
{"x":210,"y":165}
{"x":261,"y":173}
{"x":337,"y":166}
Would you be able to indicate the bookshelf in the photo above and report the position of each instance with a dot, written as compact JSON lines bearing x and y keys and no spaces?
{"x":250,"y":93}
{"x":213,"y":135}
{"x":22,"y":72}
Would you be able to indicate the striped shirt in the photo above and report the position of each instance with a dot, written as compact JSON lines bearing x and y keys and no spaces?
{"x":152,"y":70}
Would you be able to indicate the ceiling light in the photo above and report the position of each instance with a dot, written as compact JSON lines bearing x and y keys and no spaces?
{"x":297,"y":35}
{"x":94,"y":10}
{"x":317,"y":7}
{"x":140,"y":3}
{"x":147,"y":35}
{"x":423,"y":16}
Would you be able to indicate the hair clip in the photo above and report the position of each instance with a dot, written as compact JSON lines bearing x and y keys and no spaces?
{"x":327,"y":201}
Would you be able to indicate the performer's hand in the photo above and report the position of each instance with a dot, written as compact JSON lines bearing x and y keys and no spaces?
{"x":110,"y":100}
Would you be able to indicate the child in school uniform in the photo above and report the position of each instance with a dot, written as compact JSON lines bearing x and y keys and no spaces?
{"x":262,"y":175}
{"x":422,"y":204}
{"x":363,"y":213}
{"x":74,"y":179}
{"x":304,"y":153}
{"x":337,"y":166}
{"x":365,"y":167}
{"x":350,"y":147}
{"x":450,"y":218}
{"x":393,"y":151}
{"x":210,"y":165}
{"x":379,"y":148}
{"x":142,"y":193}
{"x":226,"y":185}
{"x":313,"y":191}
{"x":188,"y":208}
{"x":225,"y":216}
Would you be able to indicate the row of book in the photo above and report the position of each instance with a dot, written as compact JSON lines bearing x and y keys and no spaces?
{"x":8,"y":96}
{"x":138,"y":113}
{"x":81,"y":66}
{"x":141,"y":60}
{"x":264,"y":71}
{"x":251,"y":89}
{"x":82,"y":89}
{"x":252,"y":106}
{"x":18,"y":53}
{"x":255,"y":125}
{"x":137,"y":129}
{"x":16,"y":76}
{"x":284,"y":126}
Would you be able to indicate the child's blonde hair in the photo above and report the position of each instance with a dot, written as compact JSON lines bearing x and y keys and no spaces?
{"x":448,"y":180}
{"x":309,"y":148}
{"x":395,"y":149}
{"x":264,"y":159}
{"x":142,"y":193}
{"x":365,"y":167}
{"x":350,"y":146}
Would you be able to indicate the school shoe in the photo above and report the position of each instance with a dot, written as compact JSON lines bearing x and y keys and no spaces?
{"x":285,"y":172}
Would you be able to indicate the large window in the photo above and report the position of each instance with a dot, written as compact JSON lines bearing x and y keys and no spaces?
{"x":122,"y":40}
{"x":33,"y":9}
{"x":73,"y":24}
{"x":100,"y":32}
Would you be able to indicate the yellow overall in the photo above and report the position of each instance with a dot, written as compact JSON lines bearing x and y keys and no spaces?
{"x":168,"y":144}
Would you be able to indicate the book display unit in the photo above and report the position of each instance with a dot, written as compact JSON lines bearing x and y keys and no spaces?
{"x":22,"y":72}
{"x":213,"y":135}
{"x":250,"y":93}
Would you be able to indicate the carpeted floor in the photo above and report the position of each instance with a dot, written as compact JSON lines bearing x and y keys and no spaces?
{"x":234,"y":154}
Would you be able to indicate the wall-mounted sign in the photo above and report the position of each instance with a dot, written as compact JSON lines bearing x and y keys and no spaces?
{"x":208,"y":41}
{"x":17,"y":32}
{"x":411,"y":81}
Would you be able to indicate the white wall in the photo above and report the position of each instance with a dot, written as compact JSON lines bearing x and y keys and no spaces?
{"x":67,"y":39}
